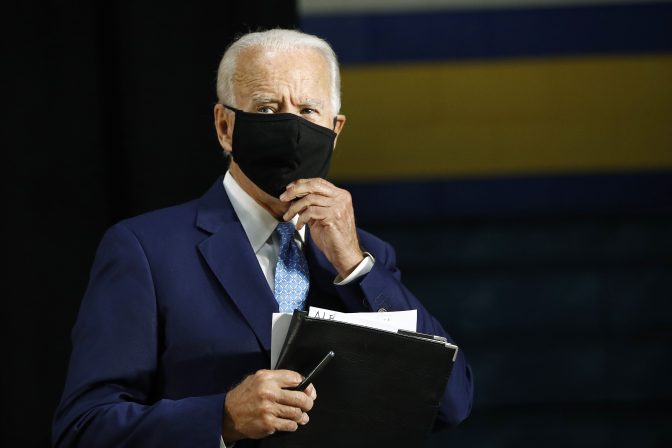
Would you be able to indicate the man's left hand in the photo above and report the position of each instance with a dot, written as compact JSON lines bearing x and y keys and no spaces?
{"x":328,"y":212}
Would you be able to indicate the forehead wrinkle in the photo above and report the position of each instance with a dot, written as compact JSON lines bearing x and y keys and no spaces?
{"x":246,"y":79}
{"x":261,"y":81}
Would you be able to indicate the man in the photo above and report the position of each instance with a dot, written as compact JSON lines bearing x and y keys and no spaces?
{"x":171,"y":346}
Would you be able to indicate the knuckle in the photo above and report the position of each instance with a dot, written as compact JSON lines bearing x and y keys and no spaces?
{"x":267,"y":394}
{"x":266,"y":409}
{"x":267,"y":422}
{"x":295,"y":413}
{"x":291,"y":426}
{"x":296,"y":377}
{"x":300,"y":401}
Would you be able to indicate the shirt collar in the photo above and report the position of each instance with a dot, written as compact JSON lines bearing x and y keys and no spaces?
{"x":257,"y":222}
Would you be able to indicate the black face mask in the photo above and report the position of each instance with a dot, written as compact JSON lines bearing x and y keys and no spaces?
{"x":274,"y":150}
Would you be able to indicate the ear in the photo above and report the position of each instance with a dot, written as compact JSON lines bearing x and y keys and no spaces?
{"x":224,"y":121}
{"x":339,"y":123}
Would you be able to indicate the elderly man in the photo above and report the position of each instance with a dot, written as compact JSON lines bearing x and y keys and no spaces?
{"x":171,"y":346}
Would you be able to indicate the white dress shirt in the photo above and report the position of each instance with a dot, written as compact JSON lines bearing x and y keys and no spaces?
{"x":259,"y":226}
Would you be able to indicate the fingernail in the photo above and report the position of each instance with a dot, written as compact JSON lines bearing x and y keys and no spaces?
{"x":305,"y":419}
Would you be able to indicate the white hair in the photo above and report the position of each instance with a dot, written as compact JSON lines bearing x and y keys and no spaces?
{"x":276,"y":40}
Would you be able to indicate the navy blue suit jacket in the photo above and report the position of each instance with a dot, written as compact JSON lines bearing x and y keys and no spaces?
{"x":178,"y":311}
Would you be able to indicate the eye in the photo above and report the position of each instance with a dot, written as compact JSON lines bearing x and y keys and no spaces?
{"x":308,"y":111}
{"x":265,"y":110}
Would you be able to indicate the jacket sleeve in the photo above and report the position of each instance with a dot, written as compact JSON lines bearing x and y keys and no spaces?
{"x":381,"y":290}
{"x":110,"y":392}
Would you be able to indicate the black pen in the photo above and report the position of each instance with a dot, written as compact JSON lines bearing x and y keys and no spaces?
{"x":309,"y":378}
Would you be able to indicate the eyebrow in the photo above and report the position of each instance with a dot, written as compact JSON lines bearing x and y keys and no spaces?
{"x":312,"y":102}
{"x":264,"y":99}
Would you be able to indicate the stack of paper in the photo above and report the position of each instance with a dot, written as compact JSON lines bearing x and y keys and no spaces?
{"x":392,"y":321}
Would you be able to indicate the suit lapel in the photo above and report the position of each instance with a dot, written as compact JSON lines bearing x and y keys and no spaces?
{"x":230,"y":257}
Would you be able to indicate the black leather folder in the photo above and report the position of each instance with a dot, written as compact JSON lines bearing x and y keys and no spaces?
{"x":380,"y":389}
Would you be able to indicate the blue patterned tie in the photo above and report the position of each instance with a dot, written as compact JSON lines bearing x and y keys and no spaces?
{"x":291,"y":271}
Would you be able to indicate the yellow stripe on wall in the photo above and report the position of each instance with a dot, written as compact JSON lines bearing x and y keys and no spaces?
{"x":508,"y":117}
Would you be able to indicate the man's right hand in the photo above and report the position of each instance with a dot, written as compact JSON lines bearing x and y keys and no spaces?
{"x":260,"y":405}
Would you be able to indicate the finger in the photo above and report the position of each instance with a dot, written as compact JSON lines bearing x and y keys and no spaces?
{"x":319,"y":180}
{"x":283,"y":424}
{"x":311,"y":391}
{"x":300,"y":204}
{"x":286,"y":378}
{"x":303,"y":187}
{"x":288,"y":412}
{"x":311,"y":213}
{"x":311,"y":180}
{"x":295,"y":399}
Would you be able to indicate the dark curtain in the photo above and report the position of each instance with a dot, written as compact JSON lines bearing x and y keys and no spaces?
{"x":109,"y":115}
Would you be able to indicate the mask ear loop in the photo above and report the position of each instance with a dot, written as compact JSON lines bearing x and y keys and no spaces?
{"x":231,"y":108}
{"x":335,"y":120}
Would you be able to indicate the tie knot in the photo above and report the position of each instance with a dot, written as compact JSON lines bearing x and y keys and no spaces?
{"x":285,"y":231}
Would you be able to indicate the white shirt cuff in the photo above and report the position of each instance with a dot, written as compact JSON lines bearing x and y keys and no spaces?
{"x":363,"y":268}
